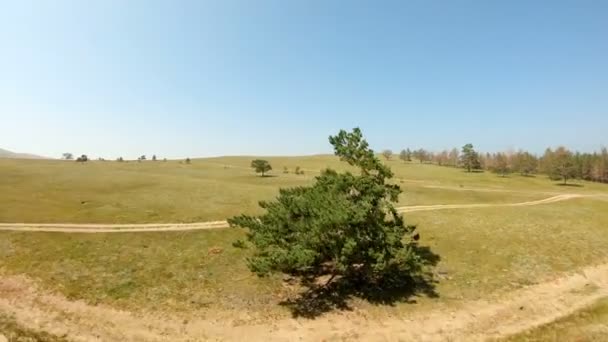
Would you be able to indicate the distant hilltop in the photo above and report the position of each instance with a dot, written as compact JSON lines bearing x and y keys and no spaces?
{"x":14,"y":155}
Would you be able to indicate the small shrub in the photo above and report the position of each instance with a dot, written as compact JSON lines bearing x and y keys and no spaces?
{"x":239,"y":244}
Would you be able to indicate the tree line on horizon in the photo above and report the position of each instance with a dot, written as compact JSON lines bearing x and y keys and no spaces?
{"x":559,"y":163}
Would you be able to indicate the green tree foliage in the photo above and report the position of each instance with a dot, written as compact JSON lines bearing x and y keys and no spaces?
{"x":154,"y":157}
{"x":345,"y":224}
{"x":387,"y":154}
{"x":422,"y":155}
{"x":67,"y":156}
{"x":560,"y":164}
{"x":188,"y":161}
{"x":261,"y":166}
{"x":83,"y":158}
{"x":119,"y":159}
{"x":469,"y":158}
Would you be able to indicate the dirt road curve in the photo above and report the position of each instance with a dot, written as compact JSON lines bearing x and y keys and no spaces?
{"x":473,"y":321}
{"x":131,"y":228}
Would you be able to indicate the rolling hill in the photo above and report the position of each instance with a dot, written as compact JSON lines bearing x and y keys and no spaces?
{"x":14,"y":155}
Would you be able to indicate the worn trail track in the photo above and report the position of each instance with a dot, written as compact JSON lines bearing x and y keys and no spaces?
{"x":474,"y":321}
{"x":156,"y":227}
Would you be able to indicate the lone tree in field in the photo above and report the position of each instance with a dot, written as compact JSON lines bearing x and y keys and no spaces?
{"x":261,"y":166}
{"x":83,"y":158}
{"x":470,"y":158}
{"x":154,"y":157}
{"x":67,"y":156}
{"x":387,"y":154}
{"x":343,"y":225}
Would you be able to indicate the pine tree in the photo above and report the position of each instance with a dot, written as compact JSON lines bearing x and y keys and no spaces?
{"x":344,"y":224}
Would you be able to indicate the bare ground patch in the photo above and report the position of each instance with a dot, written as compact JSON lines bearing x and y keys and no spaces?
{"x":473,"y":321}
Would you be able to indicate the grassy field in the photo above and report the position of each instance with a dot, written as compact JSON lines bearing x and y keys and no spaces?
{"x":216,"y":188}
{"x":484,"y":252}
{"x":588,"y":325}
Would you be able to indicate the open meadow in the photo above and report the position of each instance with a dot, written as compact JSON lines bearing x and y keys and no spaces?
{"x":479,"y":254}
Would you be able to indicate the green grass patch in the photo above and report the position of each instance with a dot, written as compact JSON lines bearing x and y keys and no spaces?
{"x":52,"y":191}
{"x":484,"y":252}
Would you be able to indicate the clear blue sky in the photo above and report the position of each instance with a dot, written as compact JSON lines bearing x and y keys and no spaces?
{"x":203,"y":78}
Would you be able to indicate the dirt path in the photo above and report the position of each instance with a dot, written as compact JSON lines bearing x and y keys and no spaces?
{"x":553,"y":199}
{"x":474,"y":321}
{"x":156,"y":227}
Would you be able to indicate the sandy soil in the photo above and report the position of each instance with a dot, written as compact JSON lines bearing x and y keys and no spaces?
{"x":473,"y":321}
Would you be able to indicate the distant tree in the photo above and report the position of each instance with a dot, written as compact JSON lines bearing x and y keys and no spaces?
{"x":546,"y":161}
{"x":422,"y":155}
{"x":562,"y":165}
{"x":142,"y":158}
{"x":67,"y":156}
{"x":344,"y":226}
{"x":285,"y":169}
{"x":154,"y":157}
{"x":187,"y":160}
{"x":601,"y":166}
{"x":261,"y":166}
{"x":119,"y":159}
{"x":387,"y":154}
{"x":164,"y":159}
{"x":83,"y":158}
{"x":469,"y":158}
{"x":442,"y":158}
{"x":525,"y":163}
{"x":501,"y":164}
{"x":454,"y":156}
{"x":403,"y":155}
